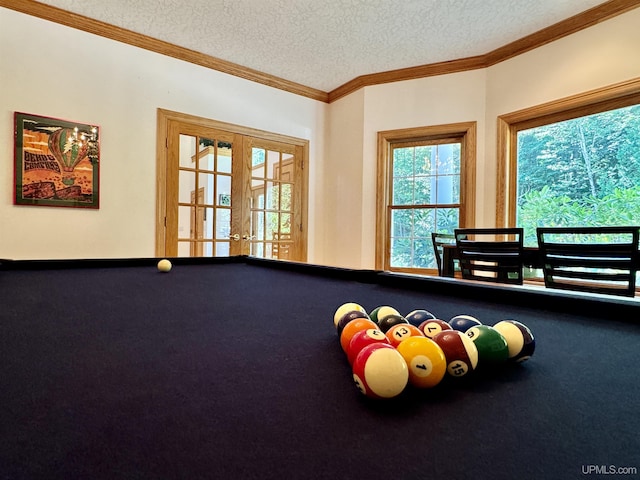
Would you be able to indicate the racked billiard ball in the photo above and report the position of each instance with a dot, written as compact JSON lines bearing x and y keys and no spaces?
{"x":379,"y":371}
{"x":462,"y":323}
{"x":433,"y":326}
{"x":344,"y":308}
{"x":382,"y":311}
{"x":460,"y":352}
{"x":347,"y":317}
{"x":398,"y":333}
{"x":385,"y":323}
{"x":416,"y":317}
{"x":425,"y":359}
{"x":353,"y":327}
{"x":363,"y":338}
{"x":520,"y":340}
{"x":492,"y":346}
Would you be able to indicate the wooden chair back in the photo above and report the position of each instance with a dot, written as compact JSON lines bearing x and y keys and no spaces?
{"x":491,"y":254}
{"x":438,"y":240}
{"x":590,"y":259}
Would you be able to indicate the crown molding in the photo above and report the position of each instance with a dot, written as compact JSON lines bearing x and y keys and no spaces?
{"x":547,"y":35}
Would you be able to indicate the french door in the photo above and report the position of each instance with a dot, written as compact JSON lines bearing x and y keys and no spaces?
{"x":224,"y":193}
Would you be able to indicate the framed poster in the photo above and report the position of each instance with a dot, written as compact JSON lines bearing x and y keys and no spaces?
{"x":56,"y":162}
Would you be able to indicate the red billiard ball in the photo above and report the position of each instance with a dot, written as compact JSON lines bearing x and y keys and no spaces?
{"x":379,"y":371}
{"x":460,"y":352}
{"x":398,"y":333}
{"x":425,"y":359}
{"x":363,"y":338}
{"x":417,"y":317}
{"x":520,"y":340}
{"x":462,"y":323}
{"x":492,"y":346}
{"x":353,"y":327}
{"x":433,"y":326}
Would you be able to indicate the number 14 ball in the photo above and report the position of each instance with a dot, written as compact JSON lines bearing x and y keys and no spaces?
{"x":520,"y":340}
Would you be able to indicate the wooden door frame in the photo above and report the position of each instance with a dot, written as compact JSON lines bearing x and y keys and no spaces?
{"x":164,"y":117}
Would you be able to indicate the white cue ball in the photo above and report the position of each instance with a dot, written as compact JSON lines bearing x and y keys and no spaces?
{"x":164,"y":265}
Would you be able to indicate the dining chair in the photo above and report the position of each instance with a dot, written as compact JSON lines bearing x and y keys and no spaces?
{"x":590,"y":259}
{"x":439,"y":240}
{"x":491,"y":254}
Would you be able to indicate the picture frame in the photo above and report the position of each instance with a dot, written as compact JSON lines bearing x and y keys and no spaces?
{"x":56,"y":162}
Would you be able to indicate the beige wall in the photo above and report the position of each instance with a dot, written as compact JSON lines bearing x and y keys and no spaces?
{"x":599,"y":56}
{"x":51,"y":70}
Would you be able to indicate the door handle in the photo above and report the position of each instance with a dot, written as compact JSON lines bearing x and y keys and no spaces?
{"x":248,"y":237}
{"x":235,"y":237}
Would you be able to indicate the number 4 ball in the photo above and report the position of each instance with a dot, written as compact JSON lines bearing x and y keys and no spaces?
{"x":520,"y":340}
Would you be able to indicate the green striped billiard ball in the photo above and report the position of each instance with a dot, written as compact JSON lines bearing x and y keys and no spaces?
{"x":492,"y":346}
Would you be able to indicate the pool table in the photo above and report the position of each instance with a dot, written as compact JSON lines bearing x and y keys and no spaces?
{"x":232,"y":369}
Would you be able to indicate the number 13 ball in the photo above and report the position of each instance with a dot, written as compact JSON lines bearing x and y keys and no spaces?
{"x":379,"y":371}
{"x":520,"y":340}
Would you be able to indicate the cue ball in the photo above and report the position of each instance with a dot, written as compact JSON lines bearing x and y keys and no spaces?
{"x":434,"y":326}
{"x":492,"y":346}
{"x":379,"y":371}
{"x":402,"y":331}
{"x":417,"y":317}
{"x":460,"y":352}
{"x":520,"y":340}
{"x":462,"y":323}
{"x":344,"y":308}
{"x":164,"y":265}
{"x":425,"y":359}
{"x":363,"y":338}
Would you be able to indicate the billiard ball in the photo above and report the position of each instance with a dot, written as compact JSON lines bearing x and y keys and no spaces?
{"x":398,"y":333}
{"x":379,"y":371}
{"x":460,"y":352}
{"x":425,"y":359}
{"x":164,"y":265}
{"x":363,"y":338}
{"x":344,"y":308}
{"x":385,"y":323}
{"x":462,"y":323}
{"x":380,"y":312}
{"x":353,"y":327}
{"x":347,"y":317}
{"x":492,"y":346}
{"x":433,"y":326}
{"x":416,"y":317}
{"x":520,"y":340}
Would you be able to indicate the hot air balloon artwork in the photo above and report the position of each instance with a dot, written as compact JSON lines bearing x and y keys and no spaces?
{"x":56,"y":162}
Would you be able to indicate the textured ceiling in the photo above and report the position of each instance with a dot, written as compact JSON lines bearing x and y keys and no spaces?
{"x":324,"y":44}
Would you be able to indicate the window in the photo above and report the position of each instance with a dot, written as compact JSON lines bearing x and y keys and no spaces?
{"x":426,"y":181}
{"x":574,"y":162}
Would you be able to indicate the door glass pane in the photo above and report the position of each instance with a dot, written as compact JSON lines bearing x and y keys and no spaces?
{"x":187,"y":181}
{"x":185,"y":221}
{"x":187,"y":151}
{"x":223,"y":190}
{"x":273,"y":165}
{"x":205,"y":188}
{"x":272,"y":198}
{"x":271,"y":225}
{"x":224,"y":158}
{"x":223,"y":223}
{"x":222,"y":249}
{"x":285,"y":196}
{"x":206,"y":154}
{"x":184,"y":249}
{"x":208,"y":223}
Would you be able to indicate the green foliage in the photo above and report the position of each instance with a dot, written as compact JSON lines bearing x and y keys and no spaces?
{"x":582,"y":172}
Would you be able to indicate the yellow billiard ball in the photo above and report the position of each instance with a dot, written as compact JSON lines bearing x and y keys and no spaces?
{"x":164,"y":265}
